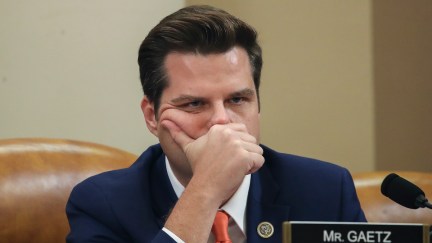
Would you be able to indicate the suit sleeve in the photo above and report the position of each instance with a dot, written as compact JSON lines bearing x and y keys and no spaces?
{"x":91,"y":218}
{"x":351,"y":209}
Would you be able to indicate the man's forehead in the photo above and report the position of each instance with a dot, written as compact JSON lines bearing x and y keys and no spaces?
{"x":188,"y":63}
{"x":184,"y":68}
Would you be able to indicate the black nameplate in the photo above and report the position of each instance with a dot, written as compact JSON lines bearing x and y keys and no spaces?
{"x":336,"y":232}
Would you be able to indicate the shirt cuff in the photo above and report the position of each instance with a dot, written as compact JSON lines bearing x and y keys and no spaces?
{"x":172,"y":235}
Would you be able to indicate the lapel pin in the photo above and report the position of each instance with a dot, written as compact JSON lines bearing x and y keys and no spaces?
{"x":265,"y":229}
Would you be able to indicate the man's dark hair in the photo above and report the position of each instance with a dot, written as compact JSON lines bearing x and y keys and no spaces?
{"x":194,"y":29}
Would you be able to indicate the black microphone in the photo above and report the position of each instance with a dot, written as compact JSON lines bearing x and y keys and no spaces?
{"x":404,"y":192}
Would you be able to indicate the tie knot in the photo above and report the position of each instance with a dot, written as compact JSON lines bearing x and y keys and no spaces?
{"x":220,"y":227}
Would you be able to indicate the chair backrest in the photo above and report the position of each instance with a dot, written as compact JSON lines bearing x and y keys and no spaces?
{"x":36,"y":178}
{"x":379,"y":208}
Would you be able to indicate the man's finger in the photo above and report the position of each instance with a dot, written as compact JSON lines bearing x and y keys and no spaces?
{"x":180,"y":137}
{"x":256,"y":163}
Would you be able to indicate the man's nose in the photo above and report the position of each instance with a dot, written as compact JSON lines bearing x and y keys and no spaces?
{"x":220,"y":115}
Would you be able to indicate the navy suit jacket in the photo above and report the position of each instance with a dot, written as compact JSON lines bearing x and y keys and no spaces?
{"x":132,"y":204}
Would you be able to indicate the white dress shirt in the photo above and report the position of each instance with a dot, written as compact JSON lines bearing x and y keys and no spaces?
{"x":235,"y":207}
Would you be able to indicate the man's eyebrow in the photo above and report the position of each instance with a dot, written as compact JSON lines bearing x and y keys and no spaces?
{"x":247,"y":92}
{"x":185,"y":98}
{"x":244,"y":92}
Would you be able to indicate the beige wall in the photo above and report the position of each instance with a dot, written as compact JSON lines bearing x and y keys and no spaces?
{"x":403,"y":82}
{"x":317,"y":90}
{"x":68,"y":69}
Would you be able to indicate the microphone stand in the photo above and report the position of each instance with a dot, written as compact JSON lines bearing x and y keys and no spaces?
{"x":422,"y":202}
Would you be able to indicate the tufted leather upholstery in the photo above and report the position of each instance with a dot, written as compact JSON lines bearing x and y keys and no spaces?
{"x":36,"y":178}
{"x":379,"y":208}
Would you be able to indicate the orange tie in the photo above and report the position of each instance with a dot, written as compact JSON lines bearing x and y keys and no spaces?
{"x":220,"y":228}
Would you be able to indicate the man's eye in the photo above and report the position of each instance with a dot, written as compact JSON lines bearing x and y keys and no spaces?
{"x":237,"y":100}
{"x":193,"y":104}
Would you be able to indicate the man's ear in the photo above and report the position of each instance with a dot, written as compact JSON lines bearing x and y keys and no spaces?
{"x":148,"y":110}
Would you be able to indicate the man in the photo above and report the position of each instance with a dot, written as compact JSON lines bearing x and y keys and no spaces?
{"x":200,"y":70}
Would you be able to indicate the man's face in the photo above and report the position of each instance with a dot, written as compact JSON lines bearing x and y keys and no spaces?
{"x":203,"y":90}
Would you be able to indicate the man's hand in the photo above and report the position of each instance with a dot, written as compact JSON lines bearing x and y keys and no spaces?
{"x":221,"y":158}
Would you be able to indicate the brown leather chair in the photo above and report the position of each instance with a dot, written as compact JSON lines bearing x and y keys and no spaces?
{"x":36,"y":178}
{"x":379,"y":208}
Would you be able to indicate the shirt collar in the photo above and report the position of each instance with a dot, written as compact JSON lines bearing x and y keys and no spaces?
{"x":235,"y":206}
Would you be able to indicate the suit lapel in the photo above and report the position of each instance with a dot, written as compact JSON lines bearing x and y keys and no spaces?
{"x":263,"y":206}
{"x":163,"y":195}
